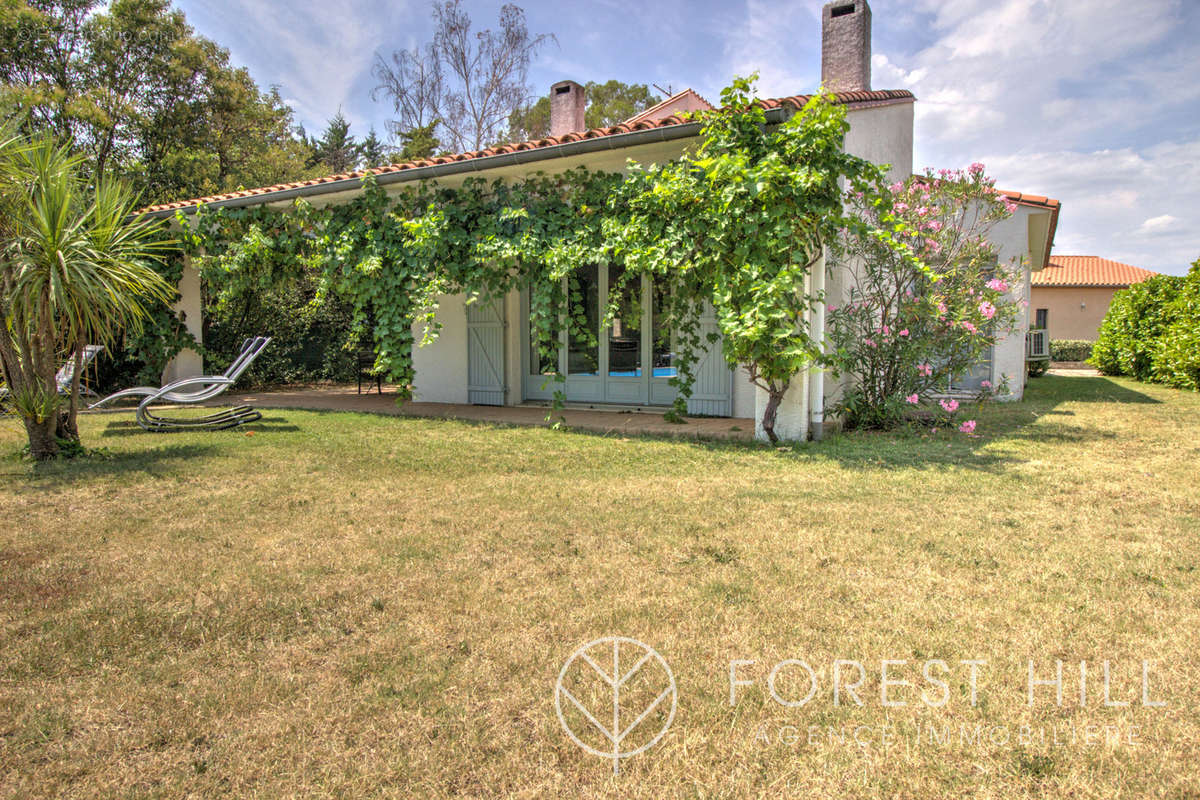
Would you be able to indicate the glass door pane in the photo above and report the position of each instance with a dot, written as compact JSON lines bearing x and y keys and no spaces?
{"x":625,"y":333}
{"x":541,"y":363}
{"x":583,"y":351}
{"x":662,"y":354}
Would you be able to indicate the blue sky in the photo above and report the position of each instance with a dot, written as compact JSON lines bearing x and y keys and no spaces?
{"x":1094,"y":102}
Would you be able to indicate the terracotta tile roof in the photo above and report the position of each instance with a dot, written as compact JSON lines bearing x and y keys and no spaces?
{"x":687,"y":100}
{"x":1089,"y":271}
{"x":1035,"y":200}
{"x":855,"y":99}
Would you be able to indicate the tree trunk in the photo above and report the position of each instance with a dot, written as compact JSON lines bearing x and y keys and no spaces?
{"x":42,"y":444}
{"x":774,"y":398}
{"x":68,"y":423}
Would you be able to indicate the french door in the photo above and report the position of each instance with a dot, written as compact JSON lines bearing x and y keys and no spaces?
{"x":629,"y":362}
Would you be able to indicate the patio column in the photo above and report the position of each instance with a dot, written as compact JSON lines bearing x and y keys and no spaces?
{"x":190,"y":310}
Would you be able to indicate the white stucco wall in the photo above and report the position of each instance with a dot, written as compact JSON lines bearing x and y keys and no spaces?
{"x":883,"y":135}
{"x":440,"y":367}
{"x":190,"y":309}
{"x":1012,"y":240}
{"x":744,"y":392}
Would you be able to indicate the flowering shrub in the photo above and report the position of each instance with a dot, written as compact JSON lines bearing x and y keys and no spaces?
{"x":926,"y":300}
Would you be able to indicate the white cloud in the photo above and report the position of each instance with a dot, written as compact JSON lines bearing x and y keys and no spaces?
{"x":1164,"y":222}
{"x":766,"y":39}
{"x":1123,"y":204}
{"x":315,"y":53}
{"x":1061,"y":98}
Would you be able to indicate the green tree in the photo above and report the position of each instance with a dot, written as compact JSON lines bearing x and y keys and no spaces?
{"x":139,"y":95}
{"x":74,"y":270}
{"x":373,"y":152}
{"x":336,"y":149}
{"x":609,"y":103}
{"x":418,"y":142}
{"x":742,"y":222}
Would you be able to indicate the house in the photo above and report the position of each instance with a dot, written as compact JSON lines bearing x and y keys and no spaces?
{"x":483,"y":353}
{"x":1070,"y":296}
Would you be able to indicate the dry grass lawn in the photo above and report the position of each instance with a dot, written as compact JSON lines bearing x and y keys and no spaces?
{"x":345,"y":605}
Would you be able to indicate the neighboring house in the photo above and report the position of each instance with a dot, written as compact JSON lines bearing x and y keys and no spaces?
{"x":483,"y":352}
{"x":1071,"y":295}
{"x":678,"y":103}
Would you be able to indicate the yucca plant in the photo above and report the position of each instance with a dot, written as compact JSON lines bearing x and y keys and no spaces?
{"x":75,"y":268}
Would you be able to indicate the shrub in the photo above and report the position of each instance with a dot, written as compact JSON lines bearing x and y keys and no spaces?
{"x":1070,"y":350}
{"x":1178,"y":357}
{"x":310,"y":338}
{"x":1129,"y":335}
{"x":919,"y":314}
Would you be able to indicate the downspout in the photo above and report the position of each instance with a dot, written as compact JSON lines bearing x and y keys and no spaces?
{"x":816,"y":380}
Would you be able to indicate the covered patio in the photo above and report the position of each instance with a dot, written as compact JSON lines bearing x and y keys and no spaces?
{"x":620,"y":421}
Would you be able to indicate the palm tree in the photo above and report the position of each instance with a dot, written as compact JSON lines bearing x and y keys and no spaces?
{"x":75,"y":268}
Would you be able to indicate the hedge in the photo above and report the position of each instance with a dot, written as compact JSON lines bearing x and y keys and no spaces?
{"x":1070,"y":350}
{"x":1178,"y":361}
{"x":1152,"y":331}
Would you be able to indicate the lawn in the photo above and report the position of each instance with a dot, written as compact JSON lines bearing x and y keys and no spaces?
{"x":359,"y":606}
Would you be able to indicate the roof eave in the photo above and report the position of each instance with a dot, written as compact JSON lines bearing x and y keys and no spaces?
{"x":776,"y":111}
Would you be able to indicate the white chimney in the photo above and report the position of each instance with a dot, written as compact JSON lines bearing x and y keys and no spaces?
{"x":567,"y":103}
{"x":846,"y":46}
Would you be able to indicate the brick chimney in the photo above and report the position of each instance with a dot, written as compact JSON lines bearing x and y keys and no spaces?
{"x":567,"y":102}
{"x":846,"y":46}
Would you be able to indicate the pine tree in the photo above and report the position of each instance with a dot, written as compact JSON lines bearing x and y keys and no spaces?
{"x":336,"y":148}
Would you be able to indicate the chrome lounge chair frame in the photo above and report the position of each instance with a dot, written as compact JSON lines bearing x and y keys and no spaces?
{"x":187,"y":391}
{"x":64,"y":377}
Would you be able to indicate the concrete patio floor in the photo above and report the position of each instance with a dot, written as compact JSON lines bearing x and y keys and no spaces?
{"x":622,"y":422}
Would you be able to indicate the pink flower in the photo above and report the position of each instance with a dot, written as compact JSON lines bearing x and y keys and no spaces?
{"x":869,"y":342}
{"x":975,"y":169}
{"x":924,"y":370}
{"x":933,"y":246}
{"x":832,"y":309}
{"x":904,"y":332}
{"x":896,"y":187}
{"x":886,"y":330}
{"x":900,"y":208}
{"x":968,"y":426}
{"x":997,"y":285}
{"x":941,"y":308}
{"x":949,"y":406}
{"x":987,"y":309}
{"x":985,"y":384}
{"x":970,"y":328}
{"x":912,"y":398}
{"x":933,"y":225}
{"x":922,"y":211}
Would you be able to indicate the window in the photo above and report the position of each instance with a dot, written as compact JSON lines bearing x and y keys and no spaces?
{"x":1040,"y":318}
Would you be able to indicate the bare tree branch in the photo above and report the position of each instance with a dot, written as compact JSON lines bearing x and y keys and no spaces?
{"x":468,"y":82}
